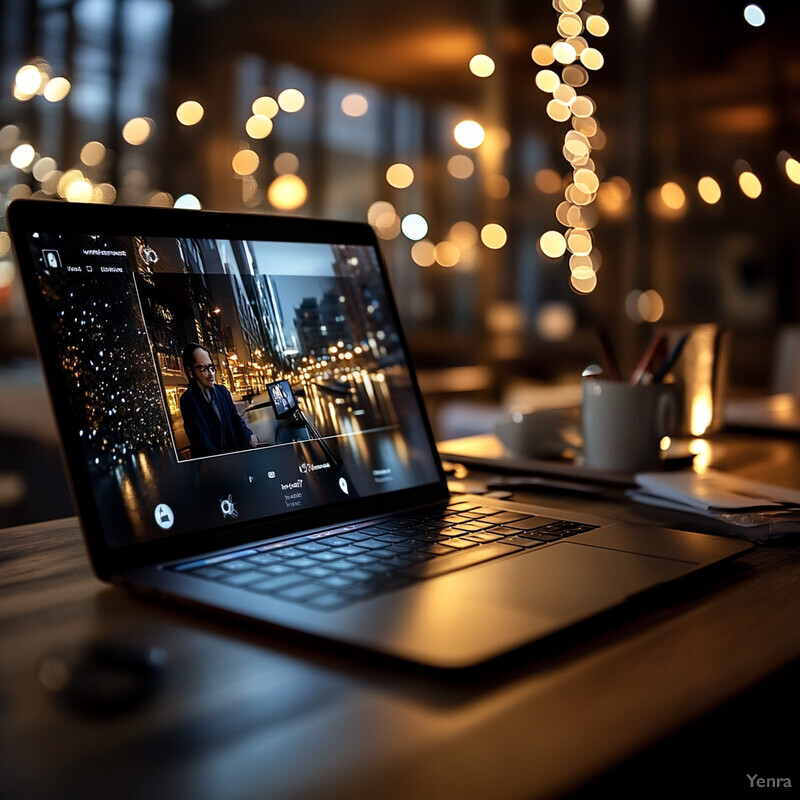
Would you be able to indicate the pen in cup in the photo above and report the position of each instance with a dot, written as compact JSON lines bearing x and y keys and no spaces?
{"x":669,"y":361}
{"x":655,"y":351}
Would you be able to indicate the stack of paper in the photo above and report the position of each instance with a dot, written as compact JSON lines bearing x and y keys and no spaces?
{"x":744,"y":508}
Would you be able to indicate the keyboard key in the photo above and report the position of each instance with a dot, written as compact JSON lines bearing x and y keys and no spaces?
{"x":300,"y":592}
{"x":242,"y":578}
{"x":483,"y":536}
{"x":276,"y":583}
{"x":458,"y":543}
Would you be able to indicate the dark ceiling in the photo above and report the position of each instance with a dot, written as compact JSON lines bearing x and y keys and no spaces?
{"x":422,"y":47}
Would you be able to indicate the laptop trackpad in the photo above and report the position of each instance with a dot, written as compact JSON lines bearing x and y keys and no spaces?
{"x":563,"y":579}
{"x":519,"y":599}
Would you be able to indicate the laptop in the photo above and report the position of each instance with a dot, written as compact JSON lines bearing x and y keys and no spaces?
{"x":244,"y":432}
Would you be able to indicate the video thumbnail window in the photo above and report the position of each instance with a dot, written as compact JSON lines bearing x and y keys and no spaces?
{"x":261,"y":344}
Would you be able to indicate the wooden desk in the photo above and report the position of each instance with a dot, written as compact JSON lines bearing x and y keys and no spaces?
{"x":246,"y":713}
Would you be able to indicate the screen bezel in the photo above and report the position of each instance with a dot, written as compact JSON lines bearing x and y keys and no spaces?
{"x":25,"y":217}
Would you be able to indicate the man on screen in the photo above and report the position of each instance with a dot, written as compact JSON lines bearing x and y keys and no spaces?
{"x":210,"y":418}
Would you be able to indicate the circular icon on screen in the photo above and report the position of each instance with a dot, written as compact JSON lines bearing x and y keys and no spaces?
{"x":164,"y":516}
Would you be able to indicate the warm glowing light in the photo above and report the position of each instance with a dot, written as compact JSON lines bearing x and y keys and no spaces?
{"x":379,"y":209}
{"x":792,"y":167}
{"x":494,"y":236}
{"x":497,"y":186}
{"x":28,"y":80}
{"x":423,"y":253}
{"x":579,"y":242}
{"x":383,"y":217}
{"x":570,"y":25}
{"x":583,"y":284}
{"x":286,"y":163}
{"x":547,"y":80}
{"x":93,"y":153}
{"x":582,"y":107}
{"x":355,"y":105}
{"x":750,"y":185}
{"x":542,"y":55}
{"x":287,"y":192}
{"x":586,"y":181}
{"x":401,"y":176}
{"x":469,"y":134}
{"x":650,"y":306}
{"x":447,"y":254}
{"x":564,"y":52}
{"x":461,"y":166}
{"x":291,"y":100}
{"x":558,"y":111}
{"x":187,"y":201}
{"x":702,"y":454}
{"x":673,"y":196}
{"x":709,"y":190}
{"x":754,"y":15}
{"x":555,"y":321}
{"x":414,"y":227}
{"x":564,"y":94}
{"x":265,"y":106}
{"x":597,"y":25}
{"x":190,"y":112}
{"x":137,"y":130}
{"x":701,"y":411}
{"x":592,"y":58}
{"x":79,"y":191}
{"x":245,"y":162}
{"x":463,"y":234}
{"x":56,"y":89}
{"x":258,"y":126}
{"x":5,"y":244}
{"x":574,"y":75}
{"x":482,"y":66}
{"x":22,"y":156}
{"x":553,"y":244}
{"x":548,"y":181}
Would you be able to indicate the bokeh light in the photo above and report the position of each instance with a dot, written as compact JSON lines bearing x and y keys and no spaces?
{"x":258,"y":126}
{"x":494,"y":235}
{"x":189,"y":113}
{"x":287,"y":192}
{"x":265,"y":106}
{"x":291,"y":100}
{"x":709,"y":190}
{"x":553,"y":244}
{"x":245,"y":162}
{"x":750,"y":184}
{"x":754,"y":15}
{"x":400,"y":176}
{"x":482,"y":66}
{"x":414,"y":227}
{"x":354,"y":105}
{"x":461,"y":166}
{"x":469,"y":134}
{"x":138,"y":130}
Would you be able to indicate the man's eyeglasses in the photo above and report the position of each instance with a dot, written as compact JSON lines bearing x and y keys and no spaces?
{"x":204,"y":368}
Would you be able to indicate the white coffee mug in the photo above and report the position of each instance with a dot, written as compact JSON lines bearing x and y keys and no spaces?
{"x":624,"y":424}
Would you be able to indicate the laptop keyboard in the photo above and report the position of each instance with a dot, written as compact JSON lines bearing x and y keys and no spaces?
{"x":331,"y":571}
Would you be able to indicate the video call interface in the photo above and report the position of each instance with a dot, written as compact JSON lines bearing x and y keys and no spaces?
{"x":211,"y":382}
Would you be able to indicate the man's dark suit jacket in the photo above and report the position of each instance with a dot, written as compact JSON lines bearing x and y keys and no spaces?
{"x":207,"y":436}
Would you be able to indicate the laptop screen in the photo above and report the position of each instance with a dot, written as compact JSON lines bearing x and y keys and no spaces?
{"x":212,"y":380}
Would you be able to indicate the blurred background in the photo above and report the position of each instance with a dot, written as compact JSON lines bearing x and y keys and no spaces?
{"x":535,"y":171}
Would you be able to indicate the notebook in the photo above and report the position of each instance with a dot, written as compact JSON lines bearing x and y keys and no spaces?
{"x":244,"y":433}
